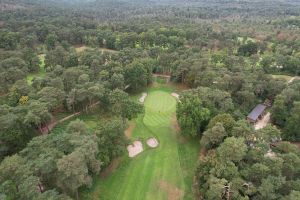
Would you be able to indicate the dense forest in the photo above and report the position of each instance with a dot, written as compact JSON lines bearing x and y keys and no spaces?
{"x":62,"y":59}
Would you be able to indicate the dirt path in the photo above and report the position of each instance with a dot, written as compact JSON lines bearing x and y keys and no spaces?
{"x":263,"y":122}
{"x":110,"y":168}
{"x":294,"y":78}
{"x":128,"y":131}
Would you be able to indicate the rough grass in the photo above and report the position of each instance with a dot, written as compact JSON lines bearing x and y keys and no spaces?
{"x":172,"y":163}
{"x":40,"y":73}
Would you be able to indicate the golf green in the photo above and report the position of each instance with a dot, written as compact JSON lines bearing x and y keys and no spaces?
{"x":165,"y":172}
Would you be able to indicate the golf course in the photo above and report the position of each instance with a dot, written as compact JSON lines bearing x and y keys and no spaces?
{"x":164,"y":172}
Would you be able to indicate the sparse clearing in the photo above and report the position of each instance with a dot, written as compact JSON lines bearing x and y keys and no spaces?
{"x":80,"y":49}
{"x":263,"y":122}
{"x":294,"y":78}
{"x":248,"y":39}
{"x":165,"y":172}
{"x":285,"y":77}
{"x":41,"y":72}
{"x":107,"y":50}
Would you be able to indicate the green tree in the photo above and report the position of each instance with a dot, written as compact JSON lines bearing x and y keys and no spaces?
{"x":37,"y":115}
{"x":77,"y":126}
{"x":293,"y":195}
{"x":53,"y":97}
{"x":233,"y":149}
{"x":136,"y":76}
{"x":51,"y":40}
{"x":73,"y":173}
{"x":269,"y":187}
{"x":279,"y":111}
{"x":111,"y":140}
{"x":225,"y":119}
{"x":248,"y":49}
{"x":213,"y":136}
{"x":192,"y":116}
{"x":216,"y":188}
{"x":122,"y":105}
{"x":291,"y":131}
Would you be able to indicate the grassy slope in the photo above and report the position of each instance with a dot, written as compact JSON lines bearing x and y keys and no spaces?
{"x":173,"y":162}
{"x":41,"y":72}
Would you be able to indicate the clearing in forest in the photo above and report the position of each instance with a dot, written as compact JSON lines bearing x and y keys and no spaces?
{"x":160,"y":173}
{"x":82,"y":48}
{"x":40,"y":73}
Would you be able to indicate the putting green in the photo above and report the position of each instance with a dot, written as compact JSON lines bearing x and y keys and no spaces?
{"x":165,"y":172}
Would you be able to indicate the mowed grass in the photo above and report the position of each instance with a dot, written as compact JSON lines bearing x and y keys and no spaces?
{"x":40,"y":73}
{"x":165,"y":172}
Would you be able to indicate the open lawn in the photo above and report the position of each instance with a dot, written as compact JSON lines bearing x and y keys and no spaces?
{"x":165,"y":172}
{"x":40,"y":73}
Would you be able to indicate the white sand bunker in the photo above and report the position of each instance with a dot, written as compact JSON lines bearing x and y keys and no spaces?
{"x":135,"y":148}
{"x":142,"y":99}
{"x":152,"y":142}
{"x":175,"y":95}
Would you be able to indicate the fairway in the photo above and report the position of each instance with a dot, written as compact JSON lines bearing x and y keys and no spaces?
{"x":165,"y":172}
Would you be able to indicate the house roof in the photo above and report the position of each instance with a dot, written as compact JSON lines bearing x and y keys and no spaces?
{"x":256,"y":112}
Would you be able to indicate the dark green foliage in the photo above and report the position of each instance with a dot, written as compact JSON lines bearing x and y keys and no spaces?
{"x":285,"y":112}
{"x":248,"y":49}
{"x":197,"y":106}
{"x":244,"y":167}
{"x":62,"y":162}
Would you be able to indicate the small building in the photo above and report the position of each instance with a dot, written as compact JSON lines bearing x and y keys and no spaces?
{"x":257,"y":113}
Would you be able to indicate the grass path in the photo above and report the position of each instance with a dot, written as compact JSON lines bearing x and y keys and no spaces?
{"x":162,"y":173}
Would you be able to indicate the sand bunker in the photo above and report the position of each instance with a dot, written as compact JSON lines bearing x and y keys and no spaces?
{"x":142,"y":99}
{"x":175,"y":95}
{"x":135,"y":148}
{"x":152,"y":142}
